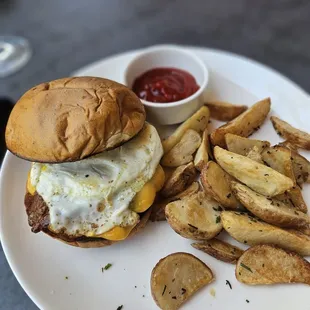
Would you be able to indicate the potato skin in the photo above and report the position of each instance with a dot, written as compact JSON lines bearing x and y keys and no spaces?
{"x":295,"y":136}
{"x":220,"y":250}
{"x":243,"y":125}
{"x":224,"y":111}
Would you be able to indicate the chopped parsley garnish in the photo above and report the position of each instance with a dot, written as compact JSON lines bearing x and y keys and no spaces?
{"x":164,"y":290}
{"x":247,"y":300}
{"x":228,"y":283}
{"x":120,"y":307}
{"x":218,"y":219}
{"x":107,"y":266}
{"x":246,"y":267}
{"x":66,"y":277}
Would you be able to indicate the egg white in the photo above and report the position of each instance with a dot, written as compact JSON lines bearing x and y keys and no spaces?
{"x":91,"y":196}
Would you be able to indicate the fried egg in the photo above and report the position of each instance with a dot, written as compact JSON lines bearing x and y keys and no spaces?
{"x":93,"y":196}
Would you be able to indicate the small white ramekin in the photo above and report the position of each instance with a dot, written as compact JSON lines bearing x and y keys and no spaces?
{"x":169,"y":56}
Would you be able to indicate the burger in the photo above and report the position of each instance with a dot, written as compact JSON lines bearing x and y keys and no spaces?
{"x":95,"y":160}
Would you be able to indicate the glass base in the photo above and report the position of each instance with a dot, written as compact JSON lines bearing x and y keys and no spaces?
{"x":15,"y":52}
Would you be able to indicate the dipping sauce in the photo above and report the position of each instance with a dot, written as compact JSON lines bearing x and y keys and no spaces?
{"x":164,"y":85}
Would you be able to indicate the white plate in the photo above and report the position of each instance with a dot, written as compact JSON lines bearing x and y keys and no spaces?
{"x":41,"y":264}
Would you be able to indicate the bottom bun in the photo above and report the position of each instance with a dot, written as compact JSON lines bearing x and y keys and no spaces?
{"x":38,"y":219}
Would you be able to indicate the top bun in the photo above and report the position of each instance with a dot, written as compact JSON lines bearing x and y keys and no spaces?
{"x":73,"y":118}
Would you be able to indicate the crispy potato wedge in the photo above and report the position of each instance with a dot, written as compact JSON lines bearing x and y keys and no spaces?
{"x":220,"y":250}
{"x":198,"y":122}
{"x":269,"y":210}
{"x":197,"y":217}
{"x":301,"y":165}
{"x":293,"y":198}
{"x":255,"y":155}
{"x":177,"y":277}
{"x":268,"y":264}
{"x":285,"y":198}
{"x":182,"y":152}
{"x":279,"y":159}
{"x":216,"y":183}
{"x":181,"y":178}
{"x":158,"y":208}
{"x":243,"y":146}
{"x":288,"y":145}
{"x":224,"y":111}
{"x":301,"y":168}
{"x":295,"y":136}
{"x":243,"y":125}
{"x":202,"y":154}
{"x":305,"y":230}
{"x":250,"y":230}
{"x":258,"y":177}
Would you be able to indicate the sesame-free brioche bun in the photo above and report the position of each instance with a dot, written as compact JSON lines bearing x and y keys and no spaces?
{"x":72,"y":118}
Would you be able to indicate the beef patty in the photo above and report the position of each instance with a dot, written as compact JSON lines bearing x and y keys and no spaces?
{"x":39,"y":219}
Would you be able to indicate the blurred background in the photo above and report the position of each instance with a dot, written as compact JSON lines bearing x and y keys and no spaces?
{"x":66,"y":35}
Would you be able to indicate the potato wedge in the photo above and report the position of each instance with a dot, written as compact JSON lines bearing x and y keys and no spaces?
{"x":279,"y":159}
{"x":269,"y":210}
{"x":158,"y":208}
{"x":224,"y":111}
{"x":181,"y":178}
{"x":182,"y":152}
{"x":177,"y":277}
{"x":220,"y":250}
{"x":255,"y":155}
{"x":216,"y":183}
{"x":197,"y":217}
{"x":243,"y":125}
{"x":293,"y":198}
{"x":243,"y":146}
{"x":285,"y":198}
{"x":288,"y":145}
{"x":295,"y":136}
{"x":301,"y":168}
{"x":305,"y":230}
{"x":198,"y":122}
{"x":258,"y":177}
{"x":250,"y":230}
{"x":268,"y":264}
{"x":202,"y":154}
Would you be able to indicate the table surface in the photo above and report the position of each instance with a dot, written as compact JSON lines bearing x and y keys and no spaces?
{"x":66,"y":35}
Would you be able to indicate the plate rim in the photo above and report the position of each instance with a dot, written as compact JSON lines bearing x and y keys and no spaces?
{"x":5,"y":164}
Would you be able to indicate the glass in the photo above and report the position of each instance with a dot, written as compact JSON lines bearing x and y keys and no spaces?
{"x":15,"y":52}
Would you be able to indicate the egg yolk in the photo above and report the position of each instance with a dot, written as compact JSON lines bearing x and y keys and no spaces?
{"x":141,"y":202}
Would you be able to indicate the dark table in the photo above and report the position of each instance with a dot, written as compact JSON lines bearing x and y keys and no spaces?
{"x":66,"y":35}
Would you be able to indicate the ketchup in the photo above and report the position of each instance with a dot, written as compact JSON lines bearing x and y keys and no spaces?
{"x":165,"y":85}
